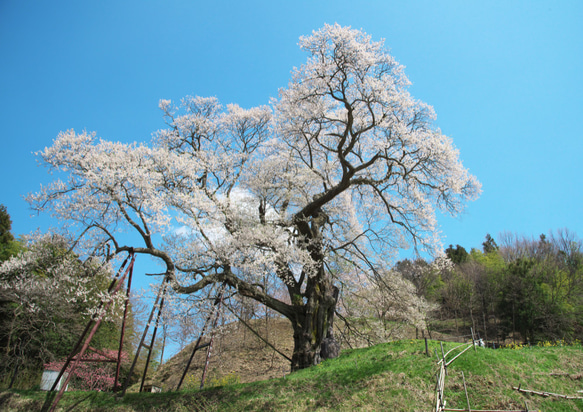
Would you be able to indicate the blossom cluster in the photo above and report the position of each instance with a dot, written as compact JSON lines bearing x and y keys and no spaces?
{"x":48,"y":274}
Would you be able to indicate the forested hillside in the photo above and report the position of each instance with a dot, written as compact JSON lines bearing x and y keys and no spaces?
{"x":527,"y":289}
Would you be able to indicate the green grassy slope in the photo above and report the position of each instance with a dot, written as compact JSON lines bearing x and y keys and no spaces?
{"x":397,"y":376}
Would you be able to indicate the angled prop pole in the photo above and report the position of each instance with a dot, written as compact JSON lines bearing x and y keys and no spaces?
{"x":91,"y":334}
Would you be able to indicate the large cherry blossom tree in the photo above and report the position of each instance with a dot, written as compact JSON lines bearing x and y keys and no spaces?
{"x":338,"y":173}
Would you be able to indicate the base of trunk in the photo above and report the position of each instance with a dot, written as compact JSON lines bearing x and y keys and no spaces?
{"x":313,"y":327}
{"x":330,"y":348}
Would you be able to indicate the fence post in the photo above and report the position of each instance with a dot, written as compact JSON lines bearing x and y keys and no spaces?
{"x":443,"y":357}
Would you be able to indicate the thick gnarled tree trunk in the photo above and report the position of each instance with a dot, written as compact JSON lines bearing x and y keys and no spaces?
{"x":313,"y":317}
{"x":313,"y":325}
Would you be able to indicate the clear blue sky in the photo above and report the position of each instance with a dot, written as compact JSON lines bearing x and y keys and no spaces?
{"x":505,"y":78}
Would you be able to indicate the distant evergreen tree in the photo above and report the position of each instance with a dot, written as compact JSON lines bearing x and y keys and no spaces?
{"x":8,"y":245}
{"x":458,"y":255}
{"x":489,"y":245}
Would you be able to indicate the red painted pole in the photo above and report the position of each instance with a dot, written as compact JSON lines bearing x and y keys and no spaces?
{"x":87,"y":328}
{"x":88,"y":340}
{"x":196,"y":346}
{"x":208,"y":352}
{"x":139,"y":349}
{"x":123,"y":329}
{"x":154,"y":334}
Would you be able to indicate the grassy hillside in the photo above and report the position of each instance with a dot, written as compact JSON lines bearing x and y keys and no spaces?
{"x":396,"y":376}
{"x":240,"y":356}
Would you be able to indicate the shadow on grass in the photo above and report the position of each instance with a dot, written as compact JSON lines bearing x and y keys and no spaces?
{"x":50,"y":398}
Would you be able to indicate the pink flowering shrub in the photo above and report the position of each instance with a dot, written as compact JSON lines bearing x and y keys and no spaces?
{"x":91,"y":375}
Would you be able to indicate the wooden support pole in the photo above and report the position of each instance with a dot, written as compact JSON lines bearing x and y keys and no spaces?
{"x":123,"y":331}
{"x":442,"y":387}
{"x":210,"y":345}
{"x":257,"y":334}
{"x":546,"y":394}
{"x":442,"y":390}
{"x":145,"y":333}
{"x":466,"y":391}
{"x":459,"y":346}
{"x":89,"y":325}
{"x":439,"y":390}
{"x":457,"y":356}
{"x":196,"y":346}
{"x":483,"y":410}
{"x":91,"y":334}
{"x":152,"y":341}
{"x":443,"y":357}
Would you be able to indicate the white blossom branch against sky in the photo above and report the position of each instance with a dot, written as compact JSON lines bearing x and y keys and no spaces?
{"x":503,"y":77}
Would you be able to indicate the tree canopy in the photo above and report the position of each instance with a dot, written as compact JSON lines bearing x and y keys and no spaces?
{"x":8,"y":245}
{"x":340,"y":171}
{"x":47,"y":295}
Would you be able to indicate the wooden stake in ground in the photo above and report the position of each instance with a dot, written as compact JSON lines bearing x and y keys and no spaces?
{"x":443,"y":357}
{"x":466,"y":391}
